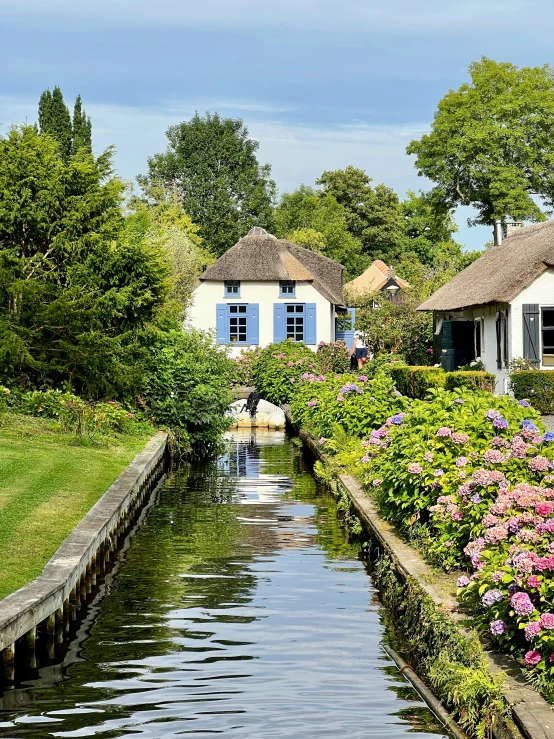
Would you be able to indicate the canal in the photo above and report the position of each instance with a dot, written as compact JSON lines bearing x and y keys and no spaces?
{"x":239,"y":608}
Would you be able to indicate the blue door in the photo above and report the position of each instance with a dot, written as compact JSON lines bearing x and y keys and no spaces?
{"x":344,"y":326}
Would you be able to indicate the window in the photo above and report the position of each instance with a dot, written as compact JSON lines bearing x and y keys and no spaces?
{"x":238,"y":324}
{"x":232,"y":288}
{"x":478,"y":334}
{"x":548,"y":337}
{"x":287,"y":288}
{"x":295,"y":322}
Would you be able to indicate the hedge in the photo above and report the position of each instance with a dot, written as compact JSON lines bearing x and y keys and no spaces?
{"x":537,"y":386}
{"x":472,"y":380}
{"x":416,"y":381}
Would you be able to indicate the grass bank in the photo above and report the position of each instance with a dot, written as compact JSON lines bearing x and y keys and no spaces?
{"x":48,"y":482}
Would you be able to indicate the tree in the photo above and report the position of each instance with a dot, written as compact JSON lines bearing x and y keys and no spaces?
{"x":72,"y":292}
{"x":428,"y":227}
{"x":491,"y":143}
{"x":212,"y":164}
{"x":82,"y":128}
{"x":317,"y":221}
{"x":54,"y":119}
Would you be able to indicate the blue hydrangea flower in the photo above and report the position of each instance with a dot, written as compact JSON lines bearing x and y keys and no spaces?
{"x":529,"y":425}
{"x":549,"y":436}
{"x":524,"y":403}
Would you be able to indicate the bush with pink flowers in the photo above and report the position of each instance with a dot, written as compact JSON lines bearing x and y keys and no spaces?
{"x":279,"y":368}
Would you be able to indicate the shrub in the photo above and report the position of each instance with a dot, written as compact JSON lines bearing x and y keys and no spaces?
{"x":78,"y":416}
{"x":280,"y":367}
{"x":475,"y":380}
{"x":187,"y":389}
{"x":333,"y":357}
{"x":243,"y":371}
{"x":444,"y":451}
{"x":352,"y":402}
{"x":415,"y":382}
{"x":536,"y":386}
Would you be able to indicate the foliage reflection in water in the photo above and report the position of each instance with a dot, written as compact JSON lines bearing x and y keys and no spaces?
{"x":240,"y":609}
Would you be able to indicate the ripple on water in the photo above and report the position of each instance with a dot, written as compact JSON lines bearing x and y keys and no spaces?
{"x":240,"y":610}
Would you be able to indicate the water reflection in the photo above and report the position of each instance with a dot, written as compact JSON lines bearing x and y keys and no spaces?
{"x":239,"y":609}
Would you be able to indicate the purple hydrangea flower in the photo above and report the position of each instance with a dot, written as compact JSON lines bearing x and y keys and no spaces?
{"x":497,"y":627}
{"x":491,"y":597}
{"x":492,"y":414}
{"x":398,"y":418}
{"x":476,"y":499}
{"x":463,"y":581}
{"x":500,"y":423}
{"x":524,"y":403}
{"x":529,"y":425}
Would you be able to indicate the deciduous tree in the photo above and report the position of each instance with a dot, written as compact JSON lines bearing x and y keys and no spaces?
{"x":491,"y":144}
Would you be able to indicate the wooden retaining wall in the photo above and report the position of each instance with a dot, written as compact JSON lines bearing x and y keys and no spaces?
{"x":56,"y":597}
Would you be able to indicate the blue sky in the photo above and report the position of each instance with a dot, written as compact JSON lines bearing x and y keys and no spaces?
{"x":320,"y":83}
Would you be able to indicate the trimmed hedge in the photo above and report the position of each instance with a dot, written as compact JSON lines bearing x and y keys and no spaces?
{"x":537,"y":386}
{"x":415,"y":382}
{"x":471,"y":380}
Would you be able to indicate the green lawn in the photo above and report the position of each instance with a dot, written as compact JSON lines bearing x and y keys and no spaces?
{"x":48,"y":481}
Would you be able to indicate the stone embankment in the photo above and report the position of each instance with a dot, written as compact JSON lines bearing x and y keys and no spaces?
{"x":49,"y":604}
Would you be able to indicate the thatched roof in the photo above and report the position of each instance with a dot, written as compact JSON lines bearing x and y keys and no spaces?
{"x":376,"y":276}
{"x":259,"y":256}
{"x":501,"y":273}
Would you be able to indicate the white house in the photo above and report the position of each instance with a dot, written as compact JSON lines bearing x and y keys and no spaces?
{"x":501,"y":307}
{"x":264,"y":290}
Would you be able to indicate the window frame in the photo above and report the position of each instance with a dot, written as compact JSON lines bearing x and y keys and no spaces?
{"x":238,"y":314}
{"x":542,"y":329}
{"x":287,"y":284}
{"x":296,"y":314}
{"x":229,"y":288}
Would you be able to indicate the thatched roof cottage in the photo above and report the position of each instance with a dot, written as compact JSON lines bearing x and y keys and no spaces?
{"x":501,"y":307}
{"x":264,"y":290}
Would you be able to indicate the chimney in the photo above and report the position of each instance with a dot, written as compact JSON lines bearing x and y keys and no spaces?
{"x":511,"y":227}
{"x":497,"y":232}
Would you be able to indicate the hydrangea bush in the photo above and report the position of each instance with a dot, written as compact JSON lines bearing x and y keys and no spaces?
{"x":352,"y":401}
{"x":279,"y":367}
{"x":443,"y":464}
{"x":333,"y":357}
{"x":244,"y":367}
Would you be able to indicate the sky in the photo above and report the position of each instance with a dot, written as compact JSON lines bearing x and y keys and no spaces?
{"x":320,"y":83}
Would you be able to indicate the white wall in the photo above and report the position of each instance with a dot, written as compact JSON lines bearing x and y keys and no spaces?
{"x":541,"y":291}
{"x":202,"y":313}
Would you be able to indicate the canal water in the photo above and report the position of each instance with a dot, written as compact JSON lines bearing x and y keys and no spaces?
{"x":240,"y":609}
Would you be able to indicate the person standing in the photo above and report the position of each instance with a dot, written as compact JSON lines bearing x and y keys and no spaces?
{"x":359,"y":349}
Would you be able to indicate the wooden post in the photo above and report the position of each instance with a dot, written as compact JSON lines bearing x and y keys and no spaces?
{"x":59,"y":626}
{"x":50,"y":634}
{"x":88,"y":579}
{"x":93,"y":567}
{"x":8,"y":660}
{"x":29,"y":641}
{"x":66,"y":615}
{"x":83,"y":589}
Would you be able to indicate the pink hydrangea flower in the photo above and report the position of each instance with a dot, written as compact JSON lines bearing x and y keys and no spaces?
{"x":290,"y":364}
{"x":532,"y":657}
{"x":376,"y":482}
{"x":493,"y":456}
{"x":463,"y":581}
{"x":533,"y":582}
{"x":444,"y":431}
{"x":458,"y":438}
{"x":438,"y":473}
{"x":428,"y":456}
{"x":323,"y":440}
{"x":532,"y":630}
{"x":547,"y":620}
{"x":521,"y":603}
{"x":415,"y":468}
{"x":366,"y":459}
{"x":461,"y":461}
{"x":539,"y":464}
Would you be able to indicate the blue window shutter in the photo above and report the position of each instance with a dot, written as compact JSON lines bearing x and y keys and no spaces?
{"x":222,"y":324}
{"x":310,"y":319}
{"x":278,"y":322}
{"x":253,"y":324}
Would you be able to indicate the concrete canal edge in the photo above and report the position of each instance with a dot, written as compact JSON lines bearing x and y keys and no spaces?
{"x":55,"y":597}
{"x":532,"y":715}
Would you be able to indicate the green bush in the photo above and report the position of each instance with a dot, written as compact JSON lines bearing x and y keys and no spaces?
{"x":352,"y":402}
{"x":333,"y":357}
{"x":537,"y":386}
{"x":78,"y":416}
{"x":187,"y":389}
{"x":280,"y":367}
{"x":474,"y":380}
{"x":415,"y":382}
{"x":243,"y":374}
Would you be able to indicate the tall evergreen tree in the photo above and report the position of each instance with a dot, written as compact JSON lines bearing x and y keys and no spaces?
{"x":82,"y":128}
{"x":54,"y":119}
